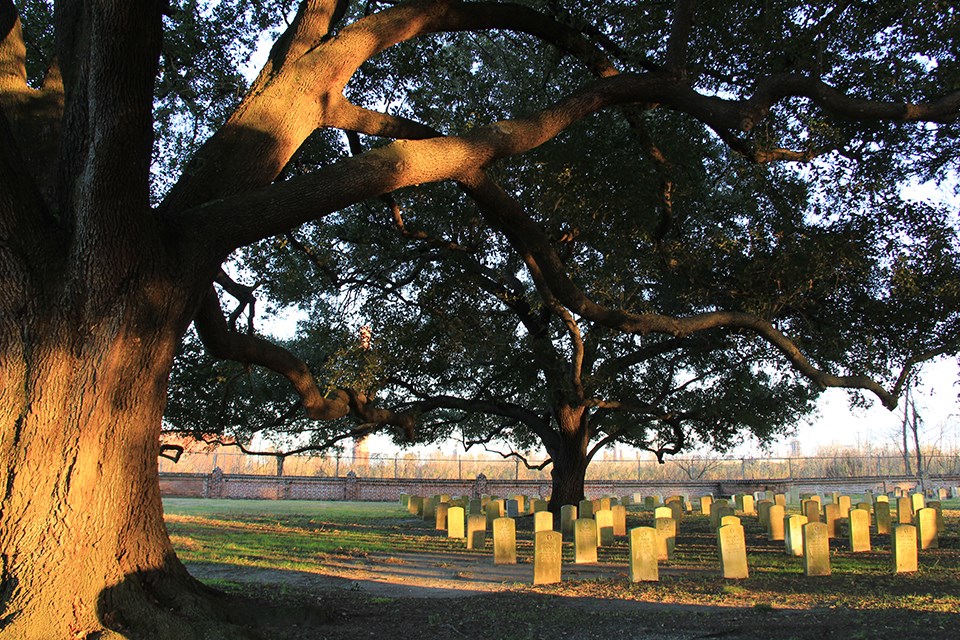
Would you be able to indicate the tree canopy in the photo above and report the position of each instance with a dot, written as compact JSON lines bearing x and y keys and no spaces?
{"x":794,"y":244}
{"x":694,"y":211}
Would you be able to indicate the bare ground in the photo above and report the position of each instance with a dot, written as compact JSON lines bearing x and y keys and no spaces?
{"x":442,"y":596}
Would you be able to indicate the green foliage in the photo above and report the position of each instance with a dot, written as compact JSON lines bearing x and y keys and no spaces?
{"x":650,"y":210}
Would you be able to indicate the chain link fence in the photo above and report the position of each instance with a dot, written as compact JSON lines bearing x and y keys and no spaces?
{"x":693,"y":468}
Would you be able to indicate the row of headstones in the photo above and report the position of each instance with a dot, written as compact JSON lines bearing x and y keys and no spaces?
{"x":649,"y":545}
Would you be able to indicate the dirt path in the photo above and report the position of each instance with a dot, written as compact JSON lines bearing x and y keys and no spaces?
{"x":405,"y":575}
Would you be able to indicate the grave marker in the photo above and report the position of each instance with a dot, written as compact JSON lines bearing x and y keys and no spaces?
{"x":440,"y":516}
{"x":793,"y":535}
{"x":811,"y":509}
{"x":904,"y":510}
{"x":585,"y":510}
{"x":504,"y":541}
{"x":643,"y":555}
{"x":881,"y":510}
{"x":733,"y":552}
{"x":904,"y":544}
{"x":666,"y":538}
{"x":568,"y":513}
{"x":816,"y":549}
{"x":542,"y":521}
{"x":455,"y":528}
{"x":476,"y":531}
{"x":604,"y":520}
{"x":859,"y":530}
{"x":584,"y":540}
{"x":705,"y":502}
{"x":927,"y":535}
{"x":619,"y":520}
{"x":844,"y":503}
{"x":775,"y":523}
{"x":547,"y":557}
{"x":831,"y":513}
{"x":748,"y":508}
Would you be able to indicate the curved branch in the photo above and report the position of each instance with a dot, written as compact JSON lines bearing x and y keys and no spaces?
{"x":252,"y":349}
{"x":550,"y":275}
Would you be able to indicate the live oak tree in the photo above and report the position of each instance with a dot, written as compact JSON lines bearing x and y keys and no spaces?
{"x":105,"y":263}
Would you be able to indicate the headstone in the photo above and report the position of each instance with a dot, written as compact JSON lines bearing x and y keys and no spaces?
{"x":881,"y":510}
{"x":504,"y":541}
{"x":404,"y":500}
{"x":705,"y":502}
{"x":831,"y":513}
{"x":542,"y":521}
{"x":844,"y":503}
{"x":415,"y":505}
{"x":942,"y":493}
{"x":494,"y":509}
{"x":917,"y":501}
{"x":775,"y":523}
{"x":937,"y":506}
{"x":816,"y":549}
{"x":455,"y":522}
{"x":733,"y":551}
{"x":719,"y":513}
{"x":666,"y":538}
{"x":602,"y":504}
{"x":511,"y":508}
{"x":731,"y":519}
{"x":604,"y":520}
{"x":927,"y":535}
{"x":443,"y":498}
{"x":763,"y":513}
{"x":476,"y":506}
{"x":882,"y":498}
{"x":568,"y":513}
{"x":619,"y":520}
{"x":780,"y":499}
{"x":904,"y":544}
{"x":476,"y":531}
{"x":663,"y":512}
{"x":643,"y":555}
{"x":676,"y":510}
{"x":585,"y":509}
{"x":547,"y":555}
{"x":866,"y":506}
{"x":904,"y":510}
{"x":584,"y":540}
{"x":859,"y":530}
{"x":793,"y":534}
{"x":811,"y":509}
{"x":521,"y":501}
{"x":748,"y":508}
{"x":650,"y":502}
{"x":540,"y":505}
{"x":440,"y":516}
{"x":430,"y":509}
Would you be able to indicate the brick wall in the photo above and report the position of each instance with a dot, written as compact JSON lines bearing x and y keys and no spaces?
{"x":219,"y":485}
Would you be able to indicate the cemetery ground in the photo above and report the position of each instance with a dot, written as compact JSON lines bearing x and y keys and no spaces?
{"x":300,"y":570}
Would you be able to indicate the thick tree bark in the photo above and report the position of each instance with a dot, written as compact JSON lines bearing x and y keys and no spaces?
{"x":84,"y":546}
{"x":569,"y":455}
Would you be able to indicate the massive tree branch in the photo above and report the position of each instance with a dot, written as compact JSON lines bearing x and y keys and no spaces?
{"x":550,"y":274}
{"x":239,"y":220}
{"x":302,"y":93}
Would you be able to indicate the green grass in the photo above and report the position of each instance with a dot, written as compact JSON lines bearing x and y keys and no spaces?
{"x":304,"y":536}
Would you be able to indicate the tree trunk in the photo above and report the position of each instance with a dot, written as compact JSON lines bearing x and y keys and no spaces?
{"x":84,"y":545}
{"x":569,"y":458}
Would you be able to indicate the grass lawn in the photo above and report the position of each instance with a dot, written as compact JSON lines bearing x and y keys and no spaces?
{"x":302,"y":536}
